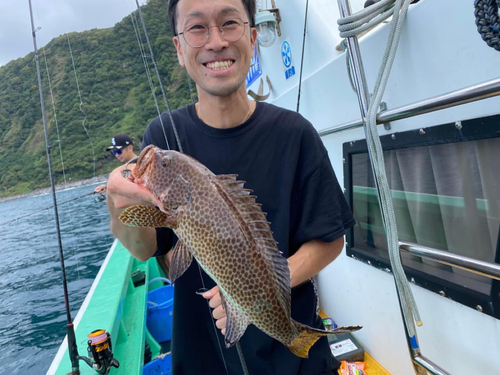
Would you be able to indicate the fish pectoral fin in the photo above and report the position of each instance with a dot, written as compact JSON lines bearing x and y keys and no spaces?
{"x":181,"y":260}
{"x":236,"y":324}
{"x":309,"y":335}
{"x":148,"y":217}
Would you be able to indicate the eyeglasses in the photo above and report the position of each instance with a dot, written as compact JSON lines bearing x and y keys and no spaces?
{"x":230,"y":30}
{"x":116,"y":152}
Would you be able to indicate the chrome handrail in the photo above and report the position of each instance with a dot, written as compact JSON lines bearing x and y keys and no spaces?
{"x":465,"y":95}
{"x":430,"y":366}
{"x":479,"y":267}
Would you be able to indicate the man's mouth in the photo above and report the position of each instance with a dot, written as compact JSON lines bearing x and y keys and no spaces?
{"x":219,"y":65}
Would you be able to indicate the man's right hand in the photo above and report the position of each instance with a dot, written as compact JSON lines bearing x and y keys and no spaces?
{"x":123,"y":193}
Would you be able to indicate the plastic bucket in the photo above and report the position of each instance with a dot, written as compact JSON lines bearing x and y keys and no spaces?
{"x":160,"y":311}
{"x":160,"y":366}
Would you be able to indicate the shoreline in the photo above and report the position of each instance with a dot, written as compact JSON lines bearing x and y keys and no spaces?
{"x":73,"y":184}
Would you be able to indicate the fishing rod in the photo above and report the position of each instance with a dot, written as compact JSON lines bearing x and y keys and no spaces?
{"x":72,"y":348}
{"x":44,"y":209}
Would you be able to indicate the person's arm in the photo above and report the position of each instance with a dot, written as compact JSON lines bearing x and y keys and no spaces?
{"x":311,"y":258}
{"x":122,"y":193}
{"x":307,"y":262}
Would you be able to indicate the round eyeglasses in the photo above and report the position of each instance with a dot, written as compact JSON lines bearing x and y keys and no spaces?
{"x":230,"y":30}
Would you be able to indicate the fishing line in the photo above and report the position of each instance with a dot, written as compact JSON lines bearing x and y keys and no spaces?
{"x":150,"y":80}
{"x":81,"y":102}
{"x":158,"y":76}
{"x":44,"y":209}
{"x":72,"y":238}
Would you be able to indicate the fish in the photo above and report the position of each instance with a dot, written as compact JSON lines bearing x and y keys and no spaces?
{"x":218,"y":222}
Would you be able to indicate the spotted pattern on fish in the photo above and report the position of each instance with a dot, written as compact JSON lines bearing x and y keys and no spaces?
{"x":219,"y":222}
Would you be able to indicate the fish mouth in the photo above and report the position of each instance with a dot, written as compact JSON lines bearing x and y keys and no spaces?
{"x":142,"y":163}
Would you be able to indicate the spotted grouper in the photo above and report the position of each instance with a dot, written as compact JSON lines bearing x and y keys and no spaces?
{"x":219,"y":223}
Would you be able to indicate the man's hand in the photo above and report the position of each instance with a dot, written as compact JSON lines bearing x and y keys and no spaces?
{"x":218,"y":312}
{"x":100,"y":189}
{"x":123,"y":193}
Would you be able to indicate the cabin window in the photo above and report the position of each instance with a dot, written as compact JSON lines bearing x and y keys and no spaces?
{"x":445,"y":184}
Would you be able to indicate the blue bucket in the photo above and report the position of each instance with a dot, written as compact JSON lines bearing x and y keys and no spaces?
{"x":160,"y":366}
{"x":160,"y":311}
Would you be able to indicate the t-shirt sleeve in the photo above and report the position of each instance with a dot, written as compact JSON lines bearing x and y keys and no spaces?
{"x":323,"y":212}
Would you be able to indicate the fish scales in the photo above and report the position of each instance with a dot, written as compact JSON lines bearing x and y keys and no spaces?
{"x":219,"y":223}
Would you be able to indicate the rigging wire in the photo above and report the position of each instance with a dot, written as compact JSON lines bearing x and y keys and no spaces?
{"x":81,"y":103}
{"x":72,"y":347}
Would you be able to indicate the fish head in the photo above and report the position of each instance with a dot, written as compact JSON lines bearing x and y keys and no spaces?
{"x":161,"y":172}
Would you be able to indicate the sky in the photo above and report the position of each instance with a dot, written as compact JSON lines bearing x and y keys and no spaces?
{"x":55,"y":18}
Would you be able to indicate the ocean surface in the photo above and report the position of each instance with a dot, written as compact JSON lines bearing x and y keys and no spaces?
{"x":32,"y":309}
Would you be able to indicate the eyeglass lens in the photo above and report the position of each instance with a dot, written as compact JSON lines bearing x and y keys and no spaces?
{"x":230,"y":30}
{"x":116,"y":152}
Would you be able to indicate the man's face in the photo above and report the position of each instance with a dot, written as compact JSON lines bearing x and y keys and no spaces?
{"x":219,"y":67}
{"x":125,"y":155}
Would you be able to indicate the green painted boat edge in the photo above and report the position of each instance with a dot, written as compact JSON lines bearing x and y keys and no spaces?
{"x":116,"y":305}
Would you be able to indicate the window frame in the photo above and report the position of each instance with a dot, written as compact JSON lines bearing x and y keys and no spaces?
{"x":462,"y":131}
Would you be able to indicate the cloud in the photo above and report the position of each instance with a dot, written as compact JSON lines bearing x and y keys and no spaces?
{"x":55,"y":18}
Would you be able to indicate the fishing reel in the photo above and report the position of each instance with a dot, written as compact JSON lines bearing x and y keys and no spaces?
{"x":100,"y":352}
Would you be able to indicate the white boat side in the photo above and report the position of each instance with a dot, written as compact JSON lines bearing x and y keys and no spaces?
{"x":440,"y":51}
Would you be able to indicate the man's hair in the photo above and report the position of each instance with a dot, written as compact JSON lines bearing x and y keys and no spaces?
{"x":249,"y":5}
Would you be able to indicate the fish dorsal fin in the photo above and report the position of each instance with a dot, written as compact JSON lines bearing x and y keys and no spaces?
{"x":256,"y":227}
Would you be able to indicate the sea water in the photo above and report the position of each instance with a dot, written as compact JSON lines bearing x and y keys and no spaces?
{"x":32,"y":310}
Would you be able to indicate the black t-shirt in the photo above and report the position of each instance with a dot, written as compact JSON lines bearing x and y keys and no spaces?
{"x":283,"y":160}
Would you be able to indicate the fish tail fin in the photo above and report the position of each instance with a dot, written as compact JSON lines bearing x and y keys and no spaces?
{"x":309,"y":335}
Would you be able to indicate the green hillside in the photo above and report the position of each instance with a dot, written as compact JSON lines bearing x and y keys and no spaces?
{"x":116,"y":98}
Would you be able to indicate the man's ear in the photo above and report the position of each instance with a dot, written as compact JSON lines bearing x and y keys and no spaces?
{"x":253,"y":39}
{"x":178,"y":48}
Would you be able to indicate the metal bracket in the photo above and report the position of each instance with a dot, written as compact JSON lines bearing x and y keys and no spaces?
{"x":383,"y":107}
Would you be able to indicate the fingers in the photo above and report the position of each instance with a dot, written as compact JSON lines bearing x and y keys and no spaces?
{"x":218,"y":312}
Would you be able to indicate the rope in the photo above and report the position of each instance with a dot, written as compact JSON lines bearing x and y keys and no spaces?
{"x":81,"y":102}
{"x":488,"y":21}
{"x":399,"y":11}
{"x":408,"y":303}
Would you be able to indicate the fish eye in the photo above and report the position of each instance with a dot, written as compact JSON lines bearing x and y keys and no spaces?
{"x":165,"y":162}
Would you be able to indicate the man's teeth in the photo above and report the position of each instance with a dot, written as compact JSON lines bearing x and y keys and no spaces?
{"x":219,"y":65}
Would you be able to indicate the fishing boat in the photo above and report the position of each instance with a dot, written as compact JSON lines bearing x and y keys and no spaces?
{"x":438,"y":121}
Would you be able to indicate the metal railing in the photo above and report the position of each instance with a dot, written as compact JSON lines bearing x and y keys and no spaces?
{"x":468,"y":264}
{"x":466,"y":95}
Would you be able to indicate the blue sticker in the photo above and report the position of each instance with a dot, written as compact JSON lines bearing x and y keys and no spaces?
{"x":286,"y":58}
{"x":255,"y":68}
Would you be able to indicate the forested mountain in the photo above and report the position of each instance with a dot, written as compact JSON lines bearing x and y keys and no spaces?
{"x":115,"y":96}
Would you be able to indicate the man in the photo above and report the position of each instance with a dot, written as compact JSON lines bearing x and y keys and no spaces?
{"x":123,"y":149}
{"x":282,"y":159}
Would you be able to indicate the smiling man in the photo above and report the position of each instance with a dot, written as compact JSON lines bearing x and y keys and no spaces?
{"x":282,"y":159}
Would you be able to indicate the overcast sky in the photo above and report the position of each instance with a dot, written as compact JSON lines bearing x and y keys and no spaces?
{"x":55,"y":18}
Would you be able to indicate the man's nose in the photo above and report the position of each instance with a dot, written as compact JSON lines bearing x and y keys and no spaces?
{"x":215,"y":40}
